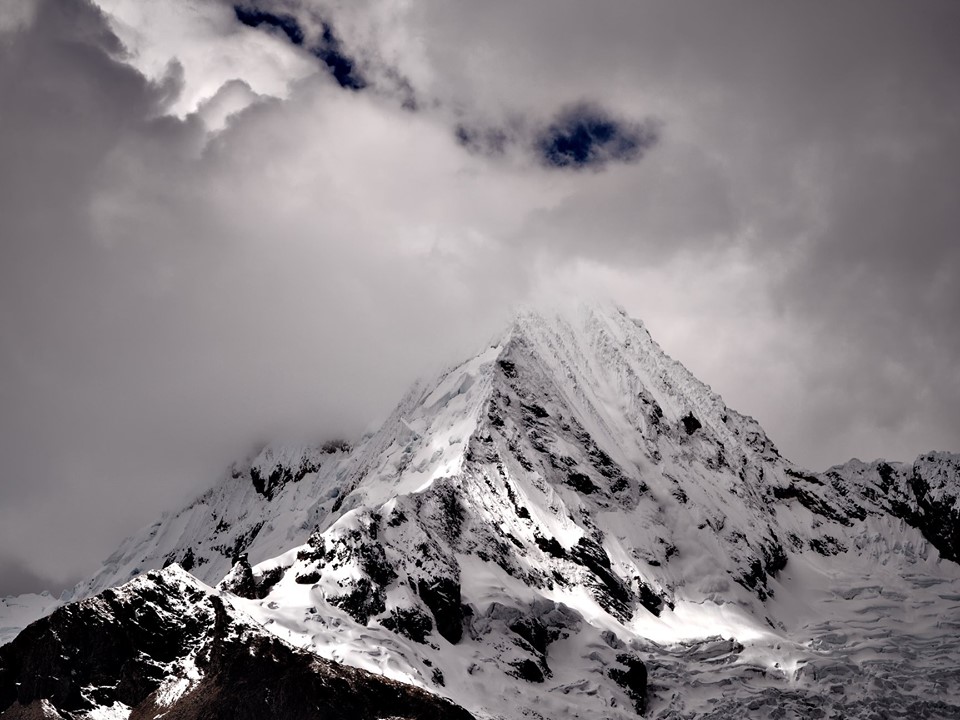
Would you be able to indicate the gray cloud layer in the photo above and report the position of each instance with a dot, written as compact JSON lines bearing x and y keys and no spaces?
{"x":169,"y":294}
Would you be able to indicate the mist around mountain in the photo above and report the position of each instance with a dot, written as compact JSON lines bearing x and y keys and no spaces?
{"x":566,"y":525}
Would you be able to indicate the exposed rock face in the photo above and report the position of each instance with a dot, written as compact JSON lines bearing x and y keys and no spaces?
{"x":934,"y":483}
{"x":116,"y":647}
{"x":632,"y":678}
{"x":925,"y":495}
{"x":165,"y":645}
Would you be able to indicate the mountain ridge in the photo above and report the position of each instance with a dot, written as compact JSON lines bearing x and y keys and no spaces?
{"x":166,"y":645}
{"x":563,"y":511}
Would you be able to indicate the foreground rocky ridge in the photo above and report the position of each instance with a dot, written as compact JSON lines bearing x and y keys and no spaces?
{"x":571,"y":511}
{"x":164,"y":645}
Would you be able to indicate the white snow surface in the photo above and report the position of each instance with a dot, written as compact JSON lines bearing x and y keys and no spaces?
{"x":571,"y":499}
{"x":18,"y":611}
{"x":117,"y":711}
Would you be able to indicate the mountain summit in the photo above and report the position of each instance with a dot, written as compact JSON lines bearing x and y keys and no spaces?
{"x":569,"y":524}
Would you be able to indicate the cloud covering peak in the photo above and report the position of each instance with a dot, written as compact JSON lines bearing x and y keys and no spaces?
{"x":208,"y":239}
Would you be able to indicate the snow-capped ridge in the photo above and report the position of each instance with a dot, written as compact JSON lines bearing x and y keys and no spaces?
{"x":165,"y":643}
{"x":539,"y":526}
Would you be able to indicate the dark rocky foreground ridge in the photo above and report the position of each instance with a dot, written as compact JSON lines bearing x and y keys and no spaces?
{"x":166,"y":645}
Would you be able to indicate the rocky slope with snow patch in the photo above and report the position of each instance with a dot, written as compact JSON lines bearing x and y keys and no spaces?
{"x":165,"y":645}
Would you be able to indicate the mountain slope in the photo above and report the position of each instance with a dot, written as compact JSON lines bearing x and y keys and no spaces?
{"x":261,"y":507}
{"x":165,"y":645}
{"x":546,"y":525}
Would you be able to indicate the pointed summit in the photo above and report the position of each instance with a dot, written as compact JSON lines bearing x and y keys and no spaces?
{"x":590,"y":357}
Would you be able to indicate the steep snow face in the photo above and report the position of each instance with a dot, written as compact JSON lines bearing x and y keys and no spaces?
{"x":532,"y":531}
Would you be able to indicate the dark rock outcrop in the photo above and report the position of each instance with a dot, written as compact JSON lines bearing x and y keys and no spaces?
{"x":633,"y":679}
{"x":133,"y":644}
{"x":609,"y":590}
{"x":442,"y":596}
{"x":926,"y":496}
{"x":690,"y":423}
{"x":935,"y":484}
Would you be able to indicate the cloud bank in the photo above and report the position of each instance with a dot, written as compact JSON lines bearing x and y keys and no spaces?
{"x":224,"y":224}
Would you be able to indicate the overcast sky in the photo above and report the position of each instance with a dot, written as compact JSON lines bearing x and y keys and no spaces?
{"x":220,"y":225}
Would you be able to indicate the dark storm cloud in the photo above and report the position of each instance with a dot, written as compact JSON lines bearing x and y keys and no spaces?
{"x":883,"y":271}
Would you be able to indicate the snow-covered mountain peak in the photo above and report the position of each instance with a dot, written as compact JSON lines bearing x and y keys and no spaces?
{"x":601,"y":349}
{"x":558,"y":513}
{"x":569,"y":491}
{"x":590,"y":361}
